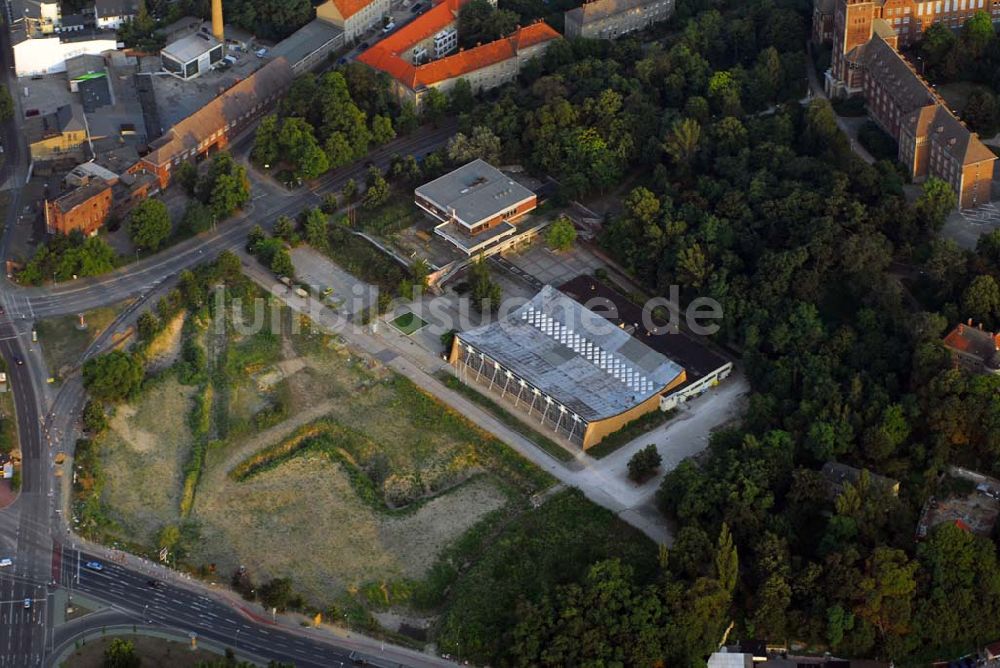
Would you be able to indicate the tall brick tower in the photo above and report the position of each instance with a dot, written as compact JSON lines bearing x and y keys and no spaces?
{"x":852,"y":27}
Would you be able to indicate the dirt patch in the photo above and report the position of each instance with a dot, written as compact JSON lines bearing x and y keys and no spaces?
{"x":282,"y":370}
{"x":63,"y":343}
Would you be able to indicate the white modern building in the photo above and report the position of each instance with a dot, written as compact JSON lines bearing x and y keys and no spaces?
{"x":191,"y":56}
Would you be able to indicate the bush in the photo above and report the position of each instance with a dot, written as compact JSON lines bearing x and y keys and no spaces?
{"x":644,"y":464}
{"x":561,"y":235}
{"x":113,"y":376}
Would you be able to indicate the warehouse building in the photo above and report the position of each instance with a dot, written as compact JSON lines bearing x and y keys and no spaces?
{"x":567,"y":367}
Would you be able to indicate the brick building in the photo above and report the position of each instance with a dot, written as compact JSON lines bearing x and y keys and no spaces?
{"x":610,"y":19}
{"x":404,"y":54}
{"x":210,"y":128}
{"x":866,"y":61}
{"x":85,"y":209}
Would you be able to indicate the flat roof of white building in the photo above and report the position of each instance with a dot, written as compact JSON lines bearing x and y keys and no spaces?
{"x":190,"y":48}
{"x":574,"y":355}
{"x":474,"y":192}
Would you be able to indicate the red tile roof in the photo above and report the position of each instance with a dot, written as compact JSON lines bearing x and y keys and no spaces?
{"x":385,"y":55}
{"x":349,"y":8}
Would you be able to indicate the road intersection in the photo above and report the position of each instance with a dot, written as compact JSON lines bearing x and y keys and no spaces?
{"x":34,"y":530}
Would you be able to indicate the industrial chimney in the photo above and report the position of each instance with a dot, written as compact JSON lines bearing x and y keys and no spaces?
{"x":217,"y":30}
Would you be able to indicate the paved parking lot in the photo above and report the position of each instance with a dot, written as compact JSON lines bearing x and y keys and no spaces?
{"x":554,"y":268}
{"x":965,"y":227}
{"x":349,"y":295}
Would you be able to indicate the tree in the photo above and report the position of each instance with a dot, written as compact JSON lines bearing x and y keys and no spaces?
{"x":485,"y":293}
{"x":121,"y":654}
{"x":483,"y":144}
{"x":682,"y":143}
{"x":317,"y":229}
{"x":6,"y":104}
{"x":936,"y":201}
{"x":461,"y":99}
{"x":644,"y":464}
{"x":284,"y":229}
{"x":981,"y":300}
{"x":435,"y":104}
{"x":147,"y":326}
{"x":297,"y":145}
{"x":95,"y":419}
{"x":349,"y":191}
{"x":561,"y":234}
{"x":277,"y":593}
{"x":112,"y":376}
{"x":149,"y":224}
{"x":228,"y":195}
{"x":330,"y":204}
{"x":885,"y":592}
{"x":187,"y":176}
{"x":197,"y":218}
{"x":266,"y":147}
{"x":382,"y":130}
{"x":726,"y":561}
{"x":982,"y":112}
{"x":377,"y":191}
{"x":281,"y":263}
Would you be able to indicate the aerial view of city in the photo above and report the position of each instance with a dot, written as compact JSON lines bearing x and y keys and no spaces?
{"x":555,"y":333}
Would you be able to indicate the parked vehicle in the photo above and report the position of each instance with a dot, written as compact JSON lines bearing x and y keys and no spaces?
{"x":389,"y":27}
{"x":94,"y":566}
{"x":27,"y":603}
{"x":416,"y":8}
{"x":301,"y":292}
{"x":5,"y":562}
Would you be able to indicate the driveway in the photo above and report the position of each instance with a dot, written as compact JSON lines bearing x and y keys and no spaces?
{"x":965,"y":227}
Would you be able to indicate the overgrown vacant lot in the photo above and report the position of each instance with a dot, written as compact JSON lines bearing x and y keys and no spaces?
{"x":143,"y":459}
{"x":63,"y":343}
{"x":288,"y":453}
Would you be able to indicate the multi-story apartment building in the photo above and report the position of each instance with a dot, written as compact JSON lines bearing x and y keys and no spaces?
{"x":865,"y":61}
{"x":354,"y":17}
{"x":402,"y":54}
{"x":609,"y":19}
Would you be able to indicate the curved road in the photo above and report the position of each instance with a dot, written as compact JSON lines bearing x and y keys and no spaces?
{"x":33,"y":533}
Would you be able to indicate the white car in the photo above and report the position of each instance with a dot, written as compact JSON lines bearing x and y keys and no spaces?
{"x":388,"y":28}
{"x":4,"y":563}
{"x":27,"y":603}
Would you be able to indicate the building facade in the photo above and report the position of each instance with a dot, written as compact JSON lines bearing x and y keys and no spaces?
{"x":57,"y":137}
{"x":354,"y":17}
{"x":610,"y":19}
{"x":111,"y":14}
{"x":84,"y":209}
{"x":404,"y":55}
{"x":866,"y":61}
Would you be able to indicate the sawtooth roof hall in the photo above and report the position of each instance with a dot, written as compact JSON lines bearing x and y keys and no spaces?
{"x":567,"y":366}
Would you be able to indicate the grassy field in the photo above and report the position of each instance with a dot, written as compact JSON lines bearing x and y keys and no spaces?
{"x":8,"y":423}
{"x":155,"y":652}
{"x":63,"y":343}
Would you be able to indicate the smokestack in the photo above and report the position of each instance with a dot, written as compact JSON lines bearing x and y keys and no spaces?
{"x":217,"y":30}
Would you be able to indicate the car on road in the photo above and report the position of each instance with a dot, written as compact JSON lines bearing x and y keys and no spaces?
{"x":155,"y":584}
{"x":18,"y":361}
{"x":94,"y":565}
{"x":5,"y":562}
{"x":27,"y":603}
{"x":416,"y":8}
{"x":389,"y":27}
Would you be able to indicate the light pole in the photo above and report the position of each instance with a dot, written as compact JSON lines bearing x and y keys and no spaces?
{"x":236,"y":639}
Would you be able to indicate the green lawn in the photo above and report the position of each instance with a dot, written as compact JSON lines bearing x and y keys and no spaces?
{"x":408,"y":323}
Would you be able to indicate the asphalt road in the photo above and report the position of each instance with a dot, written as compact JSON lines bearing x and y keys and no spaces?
{"x":31,"y":531}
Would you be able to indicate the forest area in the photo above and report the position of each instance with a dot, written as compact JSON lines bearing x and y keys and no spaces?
{"x":836,"y":292}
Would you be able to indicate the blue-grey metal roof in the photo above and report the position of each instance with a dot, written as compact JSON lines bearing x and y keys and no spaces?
{"x":574,"y":355}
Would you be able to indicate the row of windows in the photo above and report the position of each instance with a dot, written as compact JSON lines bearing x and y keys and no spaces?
{"x":945,"y":6}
